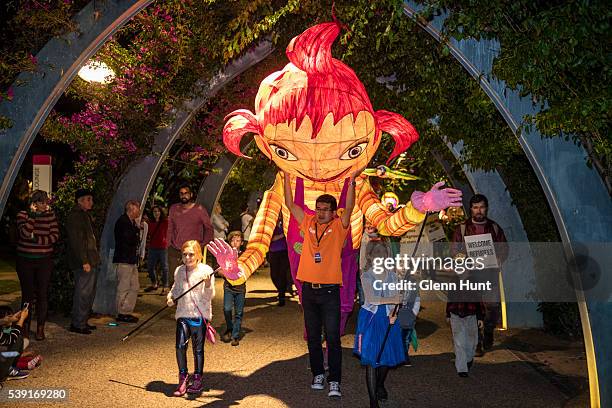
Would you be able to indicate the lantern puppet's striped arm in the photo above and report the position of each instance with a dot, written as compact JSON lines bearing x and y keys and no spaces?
{"x":261,"y":232}
{"x":388,"y":223}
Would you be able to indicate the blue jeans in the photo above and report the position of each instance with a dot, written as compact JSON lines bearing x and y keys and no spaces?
{"x":155,"y":256}
{"x":233,"y":300}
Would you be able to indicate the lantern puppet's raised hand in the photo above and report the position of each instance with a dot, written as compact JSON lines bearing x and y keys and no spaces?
{"x":314,"y":119}
{"x":226,"y":258}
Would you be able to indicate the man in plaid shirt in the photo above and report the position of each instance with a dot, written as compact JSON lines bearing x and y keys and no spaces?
{"x":477,"y":224}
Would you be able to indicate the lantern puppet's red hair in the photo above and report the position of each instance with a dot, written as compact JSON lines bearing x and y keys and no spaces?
{"x":313,"y":84}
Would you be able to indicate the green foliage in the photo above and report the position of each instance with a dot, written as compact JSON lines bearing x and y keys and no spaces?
{"x":62,"y":281}
{"x":86,"y":175}
{"x":25,"y":26}
{"x":562,"y":319}
{"x":527,"y":195}
{"x":408,"y":72}
{"x":256,"y":174}
{"x":557,"y":52}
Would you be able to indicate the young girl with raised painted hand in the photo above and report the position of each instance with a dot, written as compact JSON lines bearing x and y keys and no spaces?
{"x":193,"y":314}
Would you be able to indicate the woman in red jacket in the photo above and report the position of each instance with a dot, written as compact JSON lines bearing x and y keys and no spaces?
{"x":158,"y":249}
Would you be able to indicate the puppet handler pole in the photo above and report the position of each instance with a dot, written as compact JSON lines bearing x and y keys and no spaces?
{"x":396,"y":309}
{"x":164,"y":308}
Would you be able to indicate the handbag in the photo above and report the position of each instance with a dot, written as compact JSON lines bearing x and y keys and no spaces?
{"x":210,"y":333}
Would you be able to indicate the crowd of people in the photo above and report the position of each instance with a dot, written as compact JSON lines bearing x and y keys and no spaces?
{"x":175,"y":245}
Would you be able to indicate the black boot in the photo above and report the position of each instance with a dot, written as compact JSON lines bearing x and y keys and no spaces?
{"x":371,"y":383}
{"x":381,"y":376}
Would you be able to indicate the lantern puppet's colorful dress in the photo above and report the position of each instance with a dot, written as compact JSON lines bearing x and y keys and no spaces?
{"x":314,"y":119}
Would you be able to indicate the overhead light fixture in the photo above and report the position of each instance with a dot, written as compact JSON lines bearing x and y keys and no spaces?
{"x":96,"y":71}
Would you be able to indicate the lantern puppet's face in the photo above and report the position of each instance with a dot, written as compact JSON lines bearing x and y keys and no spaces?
{"x":334,"y":154}
{"x":314,"y":118}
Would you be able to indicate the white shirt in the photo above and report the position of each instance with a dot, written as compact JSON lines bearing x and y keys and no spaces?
{"x":198,"y":302}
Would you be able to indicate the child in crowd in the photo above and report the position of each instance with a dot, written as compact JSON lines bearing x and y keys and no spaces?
{"x":465,"y":318}
{"x":233,"y":298}
{"x":193,"y":314}
{"x":375,"y":316}
{"x":370,"y":233}
{"x":11,"y":338}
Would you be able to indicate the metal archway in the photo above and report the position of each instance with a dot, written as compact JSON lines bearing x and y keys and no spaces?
{"x":555,"y":161}
{"x":58,"y":63}
{"x":138,"y":179}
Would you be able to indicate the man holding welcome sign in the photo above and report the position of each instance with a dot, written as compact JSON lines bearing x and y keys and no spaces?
{"x":483,"y":237}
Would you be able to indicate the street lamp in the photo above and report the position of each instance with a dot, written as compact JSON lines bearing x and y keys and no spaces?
{"x":96,"y":71}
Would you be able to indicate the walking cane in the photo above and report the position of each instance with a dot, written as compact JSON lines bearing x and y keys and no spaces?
{"x":396,"y":309}
{"x":165,"y":307}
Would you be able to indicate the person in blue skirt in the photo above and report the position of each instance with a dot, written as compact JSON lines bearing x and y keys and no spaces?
{"x":375,"y":316}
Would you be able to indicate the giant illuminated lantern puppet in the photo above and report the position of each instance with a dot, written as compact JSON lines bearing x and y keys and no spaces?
{"x":314,"y":120}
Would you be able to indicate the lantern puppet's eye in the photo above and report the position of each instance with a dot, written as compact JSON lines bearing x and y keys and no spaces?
{"x":354,"y":151}
{"x":283,"y":153}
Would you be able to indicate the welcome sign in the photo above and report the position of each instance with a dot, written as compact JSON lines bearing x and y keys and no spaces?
{"x":482,"y":246}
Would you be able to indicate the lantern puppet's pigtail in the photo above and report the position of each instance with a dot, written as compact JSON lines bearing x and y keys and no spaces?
{"x":239,"y":122}
{"x":397,"y":126}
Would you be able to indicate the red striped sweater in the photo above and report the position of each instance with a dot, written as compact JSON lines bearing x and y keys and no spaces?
{"x":37,"y":234}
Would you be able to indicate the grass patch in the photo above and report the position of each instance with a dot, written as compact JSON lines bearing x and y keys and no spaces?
{"x":7,"y":266}
{"x":9,"y":286}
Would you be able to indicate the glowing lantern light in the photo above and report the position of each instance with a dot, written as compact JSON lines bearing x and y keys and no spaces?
{"x":96,"y":71}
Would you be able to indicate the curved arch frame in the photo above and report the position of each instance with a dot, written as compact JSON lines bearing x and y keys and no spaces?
{"x":565,"y":199}
{"x":138,"y":179}
{"x":58,"y":63}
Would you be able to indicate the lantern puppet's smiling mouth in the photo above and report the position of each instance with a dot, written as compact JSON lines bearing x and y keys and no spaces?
{"x":325,"y":180}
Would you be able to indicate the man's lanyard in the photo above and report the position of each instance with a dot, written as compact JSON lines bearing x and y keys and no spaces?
{"x":319,"y":238}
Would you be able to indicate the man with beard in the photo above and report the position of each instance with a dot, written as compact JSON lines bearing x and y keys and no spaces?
{"x":477,"y":224}
{"x":186,"y":221}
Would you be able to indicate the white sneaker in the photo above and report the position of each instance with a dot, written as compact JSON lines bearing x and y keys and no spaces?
{"x":317,"y":382}
{"x":334,"y":390}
